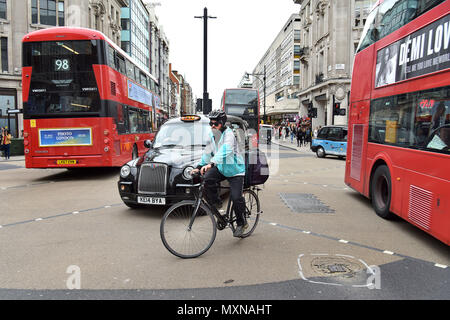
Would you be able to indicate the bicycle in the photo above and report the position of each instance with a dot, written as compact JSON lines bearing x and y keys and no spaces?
{"x":188,"y":229}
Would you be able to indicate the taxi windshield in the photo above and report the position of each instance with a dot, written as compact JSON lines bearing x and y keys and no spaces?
{"x":183,"y":135}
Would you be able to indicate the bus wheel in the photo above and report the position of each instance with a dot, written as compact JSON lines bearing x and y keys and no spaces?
{"x":135,"y":153}
{"x":320,"y":152}
{"x":381,"y":192}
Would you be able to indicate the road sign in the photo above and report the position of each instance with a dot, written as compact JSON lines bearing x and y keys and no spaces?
{"x":14,"y":111}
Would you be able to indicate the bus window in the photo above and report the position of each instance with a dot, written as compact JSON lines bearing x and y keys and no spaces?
{"x":391,"y":15}
{"x":110,"y":57}
{"x":143,"y":80}
{"x":120,"y":64}
{"x":133,"y":117}
{"x":130,"y":70}
{"x":409,"y":120}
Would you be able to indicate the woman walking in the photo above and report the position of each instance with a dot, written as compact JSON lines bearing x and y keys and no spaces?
{"x":6,"y":142}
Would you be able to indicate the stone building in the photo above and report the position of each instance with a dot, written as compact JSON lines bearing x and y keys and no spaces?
{"x":330,"y":32}
{"x":20,"y":17}
{"x":282,"y":72}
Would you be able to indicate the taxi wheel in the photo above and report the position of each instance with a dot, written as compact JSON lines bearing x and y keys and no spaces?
{"x":320,"y":152}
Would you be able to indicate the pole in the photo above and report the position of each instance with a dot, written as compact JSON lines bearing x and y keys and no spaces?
{"x":265,"y":116}
{"x":205,"y":18}
{"x":205,"y":61}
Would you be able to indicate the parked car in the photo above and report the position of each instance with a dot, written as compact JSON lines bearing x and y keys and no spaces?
{"x":331,"y":140}
{"x":157,"y":178}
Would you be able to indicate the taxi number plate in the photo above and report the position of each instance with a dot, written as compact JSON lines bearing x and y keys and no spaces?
{"x":66,"y":161}
{"x":151,"y":200}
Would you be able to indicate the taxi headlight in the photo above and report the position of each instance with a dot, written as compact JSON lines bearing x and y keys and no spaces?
{"x":187,"y":173}
{"x":125,"y":171}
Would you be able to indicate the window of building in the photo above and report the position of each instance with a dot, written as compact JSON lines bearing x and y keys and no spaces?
{"x":4,"y":53}
{"x":60,"y":13}
{"x":279,"y":96}
{"x":125,"y":23}
{"x":2,"y":9}
{"x":48,"y":12}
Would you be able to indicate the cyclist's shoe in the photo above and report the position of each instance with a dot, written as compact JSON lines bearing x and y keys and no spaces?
{"x":240,"y":230}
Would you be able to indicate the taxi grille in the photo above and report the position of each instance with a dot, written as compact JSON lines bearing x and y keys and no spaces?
{"x":153,"y":178}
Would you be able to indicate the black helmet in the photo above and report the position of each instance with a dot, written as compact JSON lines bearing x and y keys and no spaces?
{"x":218,"y":115}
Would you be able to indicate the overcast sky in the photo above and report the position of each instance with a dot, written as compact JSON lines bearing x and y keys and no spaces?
{"x":237,"y":39}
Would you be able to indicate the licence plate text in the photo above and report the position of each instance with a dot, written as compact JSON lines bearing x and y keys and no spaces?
{"x":151,"y":200}
{"x":66,"y":161}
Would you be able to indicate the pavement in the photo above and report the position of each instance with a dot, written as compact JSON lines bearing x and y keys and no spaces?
{"x":287,"y":143}
{"x":12,"y":158}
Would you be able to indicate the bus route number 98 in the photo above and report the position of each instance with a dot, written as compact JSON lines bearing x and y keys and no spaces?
{"x":62,"y":65}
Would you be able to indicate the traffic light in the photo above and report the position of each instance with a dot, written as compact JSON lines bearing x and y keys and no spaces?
{"x":199,"y":105}
{"x":336,"y":108}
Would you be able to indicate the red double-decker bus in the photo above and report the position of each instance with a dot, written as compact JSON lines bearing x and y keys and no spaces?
{"x":398,"y":151}
{"x":86,"y":103}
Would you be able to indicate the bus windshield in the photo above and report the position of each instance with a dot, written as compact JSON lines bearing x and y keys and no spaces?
{"x":241,"y":97}
{"x":62,"y":79}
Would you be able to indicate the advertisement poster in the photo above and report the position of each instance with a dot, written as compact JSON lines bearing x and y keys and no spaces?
{"x":65,"y":137}
{"x":139,"y":94}
{"x":422,"y":52}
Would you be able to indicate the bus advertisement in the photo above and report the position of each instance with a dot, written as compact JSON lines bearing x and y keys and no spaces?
{"x":86,"y":102}
{"x":398,"y":151}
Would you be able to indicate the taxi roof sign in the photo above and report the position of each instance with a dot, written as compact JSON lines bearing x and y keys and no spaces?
{"x":190,"y":118}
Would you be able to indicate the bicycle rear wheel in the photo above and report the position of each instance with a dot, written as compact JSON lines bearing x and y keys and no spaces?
{"x":252,"y":212}
{"x":185,"y":242}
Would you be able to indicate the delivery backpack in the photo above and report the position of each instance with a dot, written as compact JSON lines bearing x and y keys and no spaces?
{"x":257,"y":167}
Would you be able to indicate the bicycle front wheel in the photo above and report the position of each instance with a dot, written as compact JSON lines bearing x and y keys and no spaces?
{"x":184,"y":241}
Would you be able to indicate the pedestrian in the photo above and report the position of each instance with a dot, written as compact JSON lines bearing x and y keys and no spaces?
{"x":6,"y":143}
{"x":315,"y":132}
{"x":299,"y":137}
{"x":1,"y":141}
{"x":308,"y":136}
{"x":292,"y":133}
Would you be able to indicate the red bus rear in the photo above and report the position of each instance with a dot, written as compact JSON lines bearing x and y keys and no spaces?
{"x":398,"y":151}
{"x":86,"y":103}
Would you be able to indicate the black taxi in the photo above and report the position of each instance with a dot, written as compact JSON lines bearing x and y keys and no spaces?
{"x":159,"y":177}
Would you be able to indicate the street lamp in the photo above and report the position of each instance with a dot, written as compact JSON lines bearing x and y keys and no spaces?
{"x":264,"y":81}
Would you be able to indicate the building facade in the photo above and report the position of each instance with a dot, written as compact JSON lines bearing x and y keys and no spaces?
{"x":135,"y":34}
{"x":281,"y":69}
{"x":330,"y":32}
{"x":20,"y":17}
{"x":159,"y":59}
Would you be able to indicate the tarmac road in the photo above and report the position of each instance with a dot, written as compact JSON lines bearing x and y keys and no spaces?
{"x":317,"y":239}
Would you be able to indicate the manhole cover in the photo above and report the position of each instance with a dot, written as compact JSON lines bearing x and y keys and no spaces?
{"x":305,"y":203}
{"x":336,"y":266}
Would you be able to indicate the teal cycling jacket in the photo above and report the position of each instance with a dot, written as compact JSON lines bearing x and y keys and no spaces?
{"x":226,"y":155}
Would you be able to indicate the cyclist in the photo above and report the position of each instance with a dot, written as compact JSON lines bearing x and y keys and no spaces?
{"x":224,"y":160}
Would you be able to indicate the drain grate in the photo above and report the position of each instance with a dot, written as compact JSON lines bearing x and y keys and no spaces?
{"x":332,"y":266}
{"x":305,"y":203}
